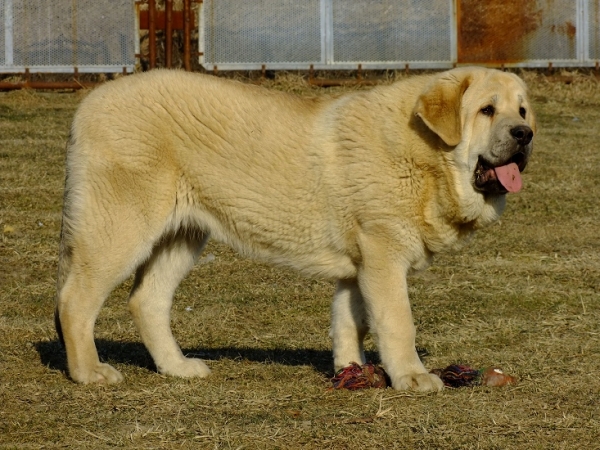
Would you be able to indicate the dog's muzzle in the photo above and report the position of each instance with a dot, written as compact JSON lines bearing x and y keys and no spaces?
{"x":505,"y":176}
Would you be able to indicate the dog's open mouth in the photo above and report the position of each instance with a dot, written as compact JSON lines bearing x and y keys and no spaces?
{"x":500,"y":179}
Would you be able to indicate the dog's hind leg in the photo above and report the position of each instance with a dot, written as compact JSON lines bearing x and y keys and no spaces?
{"x":151,"y":299}
{"x":348,"y":324}
{"x":78,"y":307}
{"x":90,"y":267}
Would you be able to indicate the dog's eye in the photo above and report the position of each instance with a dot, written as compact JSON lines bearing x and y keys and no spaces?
{"x":488,"y":110}
{"x":522,"y":112}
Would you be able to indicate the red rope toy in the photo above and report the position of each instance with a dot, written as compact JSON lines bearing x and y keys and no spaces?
{"x":355,"y":376}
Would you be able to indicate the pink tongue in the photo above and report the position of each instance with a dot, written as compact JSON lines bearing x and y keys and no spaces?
{"x":510,"y":177}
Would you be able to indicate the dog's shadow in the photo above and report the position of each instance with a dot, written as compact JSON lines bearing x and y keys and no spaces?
{"x":53,"y":355}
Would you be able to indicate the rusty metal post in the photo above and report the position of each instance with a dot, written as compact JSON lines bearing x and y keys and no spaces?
{"x":168,"y":33}
{"x":152,"y":32}
{"x":187,"y":13}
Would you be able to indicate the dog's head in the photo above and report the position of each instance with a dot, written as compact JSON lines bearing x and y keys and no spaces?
{"x":487,"y":116}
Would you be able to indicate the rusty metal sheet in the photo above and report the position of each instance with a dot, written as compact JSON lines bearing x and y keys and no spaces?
{"x":513,"y":31}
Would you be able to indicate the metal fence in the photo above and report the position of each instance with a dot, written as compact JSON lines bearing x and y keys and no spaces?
{"x":67,"y":35}
{"x":102,"y":35}
{"x":382,"y":34}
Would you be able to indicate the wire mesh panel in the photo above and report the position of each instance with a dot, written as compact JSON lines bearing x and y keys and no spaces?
{"x":594,"y":29}
{"x":558,"y":32}
{"x":273,"y":32}
{"x":105,"y":33}
{"x":43,"y":33}
{"x":518,"y":31}
{"x":56,"y":36}
{"x":323,"y":33}
{"x":392,"y":31}
{"x":3,"y":31}
{"x":556,"y":35}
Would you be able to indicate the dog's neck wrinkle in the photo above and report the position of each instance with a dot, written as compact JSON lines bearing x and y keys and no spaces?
{"x":464,"y":210}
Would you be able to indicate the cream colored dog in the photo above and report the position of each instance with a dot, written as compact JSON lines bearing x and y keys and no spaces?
{"x":361,"y":188}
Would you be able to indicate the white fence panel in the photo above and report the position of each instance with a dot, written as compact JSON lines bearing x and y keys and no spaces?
{"x":281,"y":33}
{"x":61,"y":35}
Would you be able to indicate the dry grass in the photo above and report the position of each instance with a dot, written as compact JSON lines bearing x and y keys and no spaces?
{"x":523,"y":295}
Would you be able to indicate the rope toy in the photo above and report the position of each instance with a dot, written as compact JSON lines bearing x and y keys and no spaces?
{"x":457,"y":375}
{"x":356,"y":376}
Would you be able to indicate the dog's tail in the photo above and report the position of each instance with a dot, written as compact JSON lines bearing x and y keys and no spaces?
{"x":64,"y":263}
{"x":64,"y":251}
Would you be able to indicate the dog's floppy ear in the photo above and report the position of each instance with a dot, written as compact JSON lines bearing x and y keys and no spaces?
{"x":439,"y":105}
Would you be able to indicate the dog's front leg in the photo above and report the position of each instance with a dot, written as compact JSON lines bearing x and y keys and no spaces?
{"x":348,"y":325}
{"x":382,"y":281}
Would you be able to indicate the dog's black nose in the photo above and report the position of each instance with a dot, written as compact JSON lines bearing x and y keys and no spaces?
{"x":522,"y":133}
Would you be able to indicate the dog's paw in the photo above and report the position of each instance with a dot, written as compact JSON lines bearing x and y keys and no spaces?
{"x":421,"y":382}
{"x":186,"y":368}
{"x":100,"y":374}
